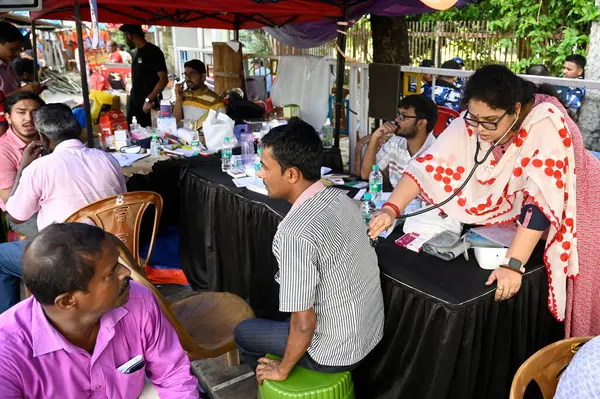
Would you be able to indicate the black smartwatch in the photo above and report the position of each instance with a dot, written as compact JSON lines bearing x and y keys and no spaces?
{"x":514,"y":264}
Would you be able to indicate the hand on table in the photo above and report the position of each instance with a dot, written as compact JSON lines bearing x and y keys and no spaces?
{"x":381,"y":221}
{"x":508,"y":283}
{"x":269,"y":370}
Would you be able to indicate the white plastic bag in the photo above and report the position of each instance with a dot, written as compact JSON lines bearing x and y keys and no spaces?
{"x":216,"y":127}
{"x":431,"y":223}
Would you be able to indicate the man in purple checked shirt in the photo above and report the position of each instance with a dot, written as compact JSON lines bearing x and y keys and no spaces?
{"x":84,"y":321}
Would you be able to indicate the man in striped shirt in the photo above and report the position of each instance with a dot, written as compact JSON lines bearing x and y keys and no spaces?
{"x":197,"y":100}
{"x":328,"y":273}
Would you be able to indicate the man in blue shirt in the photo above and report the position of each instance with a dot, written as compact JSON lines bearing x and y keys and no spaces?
{"x":581,"y":379}
{"x":425,"y":78}
{"x":446,"y":93}
{"x":573,"y":68}
{"x":259,"y":70}
{"x":460,"y":82}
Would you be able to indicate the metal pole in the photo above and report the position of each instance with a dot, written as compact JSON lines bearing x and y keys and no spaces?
{"x":236,"y":27}
{"x":82,"y":72}
{"x":339,"y":85}
{"x":34,"y":51}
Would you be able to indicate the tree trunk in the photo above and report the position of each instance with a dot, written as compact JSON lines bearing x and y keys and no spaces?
{"x":390,"y":40}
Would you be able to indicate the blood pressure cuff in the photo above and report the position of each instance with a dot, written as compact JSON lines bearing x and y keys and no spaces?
{"x":447,"y":245}
{"x":534,"y":219}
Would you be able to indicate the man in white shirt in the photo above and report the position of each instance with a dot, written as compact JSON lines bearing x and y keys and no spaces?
{"x":407,"y":137}
{"x":124,"y":54}
{"x":54,"y":186}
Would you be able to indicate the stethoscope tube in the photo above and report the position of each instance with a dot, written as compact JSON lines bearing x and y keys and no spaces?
{"x":471,"y":173}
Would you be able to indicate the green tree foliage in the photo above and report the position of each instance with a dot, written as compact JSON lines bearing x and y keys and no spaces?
{"x":553,"y":29}
{"x":256,"y":42}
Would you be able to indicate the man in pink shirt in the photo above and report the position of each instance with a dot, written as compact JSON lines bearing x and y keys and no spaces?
{"x":20,"y":109}
{"x":84,"y":321}
{"x":54,"y":186}
{"x":11,"y":45}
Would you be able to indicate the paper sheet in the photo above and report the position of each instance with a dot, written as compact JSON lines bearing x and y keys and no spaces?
{"x":127,"y":159}
{"x":258,"y":189}
{"x":384,"y":198}
{"x":246,"y":181}
{"x":359,"y":196}
{"x":502,"y":234}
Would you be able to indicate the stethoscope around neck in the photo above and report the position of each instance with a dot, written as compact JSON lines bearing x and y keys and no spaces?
{"x":471,"y":173}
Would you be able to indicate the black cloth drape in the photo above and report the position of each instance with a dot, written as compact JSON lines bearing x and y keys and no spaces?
{"x":225,"y":238}
{"x":444,"y":337}
{"x":165,"y":179}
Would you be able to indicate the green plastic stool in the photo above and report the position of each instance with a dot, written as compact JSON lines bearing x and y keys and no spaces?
{"x":307,"y":384}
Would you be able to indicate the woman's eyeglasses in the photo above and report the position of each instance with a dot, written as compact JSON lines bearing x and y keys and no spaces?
{"x":485,"y":125}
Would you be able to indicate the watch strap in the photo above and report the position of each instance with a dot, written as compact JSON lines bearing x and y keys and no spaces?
{"x":510,"y":268}
{"x":514,"y":264}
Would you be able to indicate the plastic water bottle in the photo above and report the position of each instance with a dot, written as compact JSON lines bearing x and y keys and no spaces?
{"x":195,"y":140}
{"x":247,"y":142}
{"x":327,"y":134}
{"x":226,"y":155}
{"x":367,"y":208}
{"x":155,"y":146}
{"x":134,"y":125}
{"x":376,"y":183}
{"x":263,"y":131}
{"x":257,"y":164}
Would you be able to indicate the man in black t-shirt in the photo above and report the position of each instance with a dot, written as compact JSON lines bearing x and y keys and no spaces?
{"x":148,"y":73}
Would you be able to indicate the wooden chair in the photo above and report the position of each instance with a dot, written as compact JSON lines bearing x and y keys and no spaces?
{"x":544,"y":367}
{"x":204,"y":322}
{"x":122,"y":215}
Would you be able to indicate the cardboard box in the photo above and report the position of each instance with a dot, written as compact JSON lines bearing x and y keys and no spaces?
{"x":290,"y":111}
{"x":113,"y":120}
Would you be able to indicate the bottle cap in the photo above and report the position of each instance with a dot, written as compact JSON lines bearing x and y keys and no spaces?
{"x":226,"y":138}
{"x":259,"y":151}
{"x":375,"y":167}
{"x":154,"y":137}
{"x":367,"y":197}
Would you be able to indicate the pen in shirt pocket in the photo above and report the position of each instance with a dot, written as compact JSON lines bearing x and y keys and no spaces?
{"x":132,"y":365}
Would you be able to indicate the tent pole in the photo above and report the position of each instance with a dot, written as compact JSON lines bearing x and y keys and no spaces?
{"x":82,"y":71}
{"x":236,"y":27}
{"x":339,"y":85}
{"x":34,"y":51}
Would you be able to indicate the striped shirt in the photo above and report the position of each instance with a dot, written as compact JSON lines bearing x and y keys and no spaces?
{"x":196,"y":105}
{"x":326,"y":263}
{"x":394,"y":156}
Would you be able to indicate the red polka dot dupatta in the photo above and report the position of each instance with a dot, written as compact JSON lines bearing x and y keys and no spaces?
{"x":539,"y":166}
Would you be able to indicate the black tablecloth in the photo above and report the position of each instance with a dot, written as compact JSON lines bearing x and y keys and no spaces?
{"x":225,"y":238}
{"x":445,"y":336}
{"x":165,"y":179}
